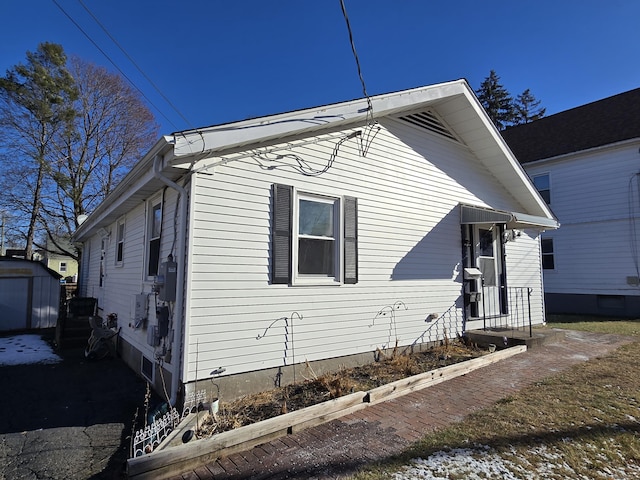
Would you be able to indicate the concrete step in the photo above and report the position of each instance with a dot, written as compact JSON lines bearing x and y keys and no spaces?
{"x":507,"y":337}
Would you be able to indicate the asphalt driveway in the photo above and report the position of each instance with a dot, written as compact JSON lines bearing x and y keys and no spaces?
{"x":67,"y":420}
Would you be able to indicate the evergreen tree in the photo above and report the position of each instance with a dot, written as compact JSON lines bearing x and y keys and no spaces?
{"x":527,"y":108}
{"x":496,"y":101}
{"x":36,"y":101}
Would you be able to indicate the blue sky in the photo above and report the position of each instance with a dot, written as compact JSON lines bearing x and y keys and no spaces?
{"x":220,"y":61}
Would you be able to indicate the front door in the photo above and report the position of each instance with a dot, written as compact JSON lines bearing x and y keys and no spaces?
{"x":488,"y":256}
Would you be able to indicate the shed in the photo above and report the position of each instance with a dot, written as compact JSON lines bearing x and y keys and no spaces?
{"x":29,"y":295}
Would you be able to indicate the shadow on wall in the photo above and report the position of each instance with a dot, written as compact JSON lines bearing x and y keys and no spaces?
{"x":438,"y":256}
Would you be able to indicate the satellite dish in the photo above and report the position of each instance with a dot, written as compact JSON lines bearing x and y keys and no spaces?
{"x":82,"y":218}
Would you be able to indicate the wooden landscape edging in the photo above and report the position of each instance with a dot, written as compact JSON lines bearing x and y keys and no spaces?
{"x":433,"y":377}
{"x":172,"y":461}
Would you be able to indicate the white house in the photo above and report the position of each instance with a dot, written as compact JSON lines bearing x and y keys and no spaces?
{"x":586,"y":164}
{"x":318,"y":236}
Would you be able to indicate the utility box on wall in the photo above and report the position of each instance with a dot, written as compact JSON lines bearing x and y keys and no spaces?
{"x":167,"y":278}
{"x":140,"y":310}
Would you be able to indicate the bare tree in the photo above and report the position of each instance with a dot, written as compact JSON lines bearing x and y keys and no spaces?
{"x":113,"y":128}
{"x":73,"y":130}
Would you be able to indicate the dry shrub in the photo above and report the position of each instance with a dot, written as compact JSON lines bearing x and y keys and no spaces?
{"x":337,"y":384}
{"x":316,"y":388}
{"x":406,"y":364}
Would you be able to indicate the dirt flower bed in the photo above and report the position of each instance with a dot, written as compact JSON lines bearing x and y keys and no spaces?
{"x":317,"y":389}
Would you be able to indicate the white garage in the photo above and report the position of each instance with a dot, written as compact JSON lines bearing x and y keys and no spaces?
{"x":29,"y":295}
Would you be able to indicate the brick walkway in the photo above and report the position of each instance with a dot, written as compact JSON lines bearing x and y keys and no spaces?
{"x":339,"y":448}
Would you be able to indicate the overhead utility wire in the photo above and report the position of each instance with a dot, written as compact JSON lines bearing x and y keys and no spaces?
{"x":175,"y":109}
{"x":355,"y":55}
{"x":113,"y":63}
{"x":372,"y":130}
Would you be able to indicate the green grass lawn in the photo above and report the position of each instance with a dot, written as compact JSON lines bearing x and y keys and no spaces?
{"x":595,"y":324}
{"x":582,"y":423}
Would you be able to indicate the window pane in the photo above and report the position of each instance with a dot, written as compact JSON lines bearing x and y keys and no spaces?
{"x":120,"y":232}
{"x":547,"y":245}
{"x":541,"y":182}
{"x":486,"y":243}
{"x":488,"y":268}
{"x":316,"y":218}
{"x":546,"y":196}
{"x":154,"y":257}
{"x":316,"y":257}
{"x":156,"y":221}
{"x":547,"y":262}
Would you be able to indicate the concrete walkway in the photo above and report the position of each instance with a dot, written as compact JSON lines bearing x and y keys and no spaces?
{"x":339,"y":448}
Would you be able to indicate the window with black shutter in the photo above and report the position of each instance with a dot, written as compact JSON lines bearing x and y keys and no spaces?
{"x":314,"y":238}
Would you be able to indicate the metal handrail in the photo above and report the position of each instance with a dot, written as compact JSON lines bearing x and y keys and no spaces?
{"x":516,"y":314}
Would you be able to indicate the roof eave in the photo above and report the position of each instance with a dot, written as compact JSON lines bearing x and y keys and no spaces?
{"x":227,"y":137}
{"x":140,"y":174}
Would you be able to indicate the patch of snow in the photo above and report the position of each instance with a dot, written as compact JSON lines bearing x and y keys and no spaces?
{"x":482,"y":463}
{"x":472,"y":464}
{"x":26,"y":349}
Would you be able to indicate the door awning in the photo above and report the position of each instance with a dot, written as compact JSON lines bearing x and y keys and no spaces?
{"x":471,"y":215}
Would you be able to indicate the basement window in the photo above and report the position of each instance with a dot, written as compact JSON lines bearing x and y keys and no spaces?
{"x":146,"y":368}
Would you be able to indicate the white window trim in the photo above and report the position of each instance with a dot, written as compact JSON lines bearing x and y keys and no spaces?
{"x":63,"y":267}
{"x":121,"y":221}
{"x":298,"y":279}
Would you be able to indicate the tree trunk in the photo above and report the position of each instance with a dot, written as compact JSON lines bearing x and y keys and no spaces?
{"x":35,"y":212}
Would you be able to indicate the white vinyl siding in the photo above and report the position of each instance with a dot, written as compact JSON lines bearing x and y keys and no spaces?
{"x":524,"y":270}
{"x":409,"y":251}
{"x":596,"y":199}
{"x":120,"y":285}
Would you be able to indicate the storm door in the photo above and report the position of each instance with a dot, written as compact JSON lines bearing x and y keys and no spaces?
{"x":488,"y":257}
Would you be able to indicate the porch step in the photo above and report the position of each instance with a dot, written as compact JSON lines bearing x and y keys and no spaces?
{"x":507,"y":337}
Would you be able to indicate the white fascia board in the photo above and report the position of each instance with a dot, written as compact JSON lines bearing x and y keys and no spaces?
{"x":229,"y":136}
{"x":517,"y":181}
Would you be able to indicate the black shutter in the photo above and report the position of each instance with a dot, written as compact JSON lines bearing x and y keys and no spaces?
{"x":350,"y":240}
{"x":281,"y":234}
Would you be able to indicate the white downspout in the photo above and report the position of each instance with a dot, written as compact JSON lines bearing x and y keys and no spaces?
{"x":180,"y":274}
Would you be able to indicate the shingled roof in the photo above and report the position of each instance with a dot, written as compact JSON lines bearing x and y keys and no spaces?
{"x":603,"y":122}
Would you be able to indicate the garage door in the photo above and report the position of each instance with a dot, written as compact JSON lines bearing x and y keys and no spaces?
{"x":14,"y":303}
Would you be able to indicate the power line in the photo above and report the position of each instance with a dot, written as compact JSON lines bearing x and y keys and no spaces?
{"x":355,"y":55}
{"x":373,"y":128}
{"x":113,"y":63}
{"x":135,"y":64}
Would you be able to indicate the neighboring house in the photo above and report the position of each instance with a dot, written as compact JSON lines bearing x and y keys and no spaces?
{"x":586,"y":164}
{"x":317,"y":236}
{"x":29,"y":295}
{"x":57,"y":260}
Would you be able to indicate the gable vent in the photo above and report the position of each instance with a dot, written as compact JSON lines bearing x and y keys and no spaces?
{"x":429,"y":121}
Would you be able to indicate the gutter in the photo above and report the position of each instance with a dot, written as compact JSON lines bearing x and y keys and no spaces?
{"x":180,"y":259}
